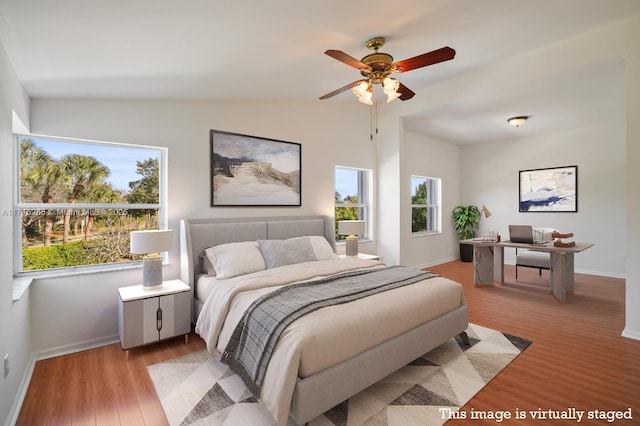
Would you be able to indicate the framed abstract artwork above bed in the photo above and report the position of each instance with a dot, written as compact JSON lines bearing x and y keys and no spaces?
{"x":254,"y":171}
{"x":549,"y":190}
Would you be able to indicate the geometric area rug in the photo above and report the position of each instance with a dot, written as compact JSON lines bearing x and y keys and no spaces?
{"x":197,"y":389}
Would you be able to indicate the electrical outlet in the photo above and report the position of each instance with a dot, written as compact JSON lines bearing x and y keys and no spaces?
{"x":6,"y":365}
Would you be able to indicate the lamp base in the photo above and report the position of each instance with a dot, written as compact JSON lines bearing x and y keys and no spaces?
{"x":152,"y":272}
{"x":351,"y":246}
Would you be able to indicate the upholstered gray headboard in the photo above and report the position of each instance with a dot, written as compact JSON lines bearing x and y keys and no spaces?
{"x":198,"y":234}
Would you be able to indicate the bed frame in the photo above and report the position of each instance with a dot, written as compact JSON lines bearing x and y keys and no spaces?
{"x":318,"y":393}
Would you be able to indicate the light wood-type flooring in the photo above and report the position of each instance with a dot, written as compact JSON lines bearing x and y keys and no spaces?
{"x":577,"y":360}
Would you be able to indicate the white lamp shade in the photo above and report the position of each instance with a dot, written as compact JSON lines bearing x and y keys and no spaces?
{"x":351,"y":227}
{"x":155,"y":241}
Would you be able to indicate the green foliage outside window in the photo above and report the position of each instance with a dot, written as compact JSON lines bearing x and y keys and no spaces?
{"x":58,"y":256}
{"x":345,"y":213}
{"x":57,"y":237}
{"x":419,"y":214}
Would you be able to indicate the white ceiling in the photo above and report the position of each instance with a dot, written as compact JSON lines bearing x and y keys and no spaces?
{"x":273,"y":50}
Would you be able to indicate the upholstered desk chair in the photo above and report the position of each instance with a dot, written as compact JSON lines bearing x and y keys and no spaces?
{"x":536,"y":259}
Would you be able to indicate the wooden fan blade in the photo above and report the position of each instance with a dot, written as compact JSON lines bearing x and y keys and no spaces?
{"x":340,"y":90}
{"x":430,"y":58}
{"x":405,"y":93}
{"x":349,"y":60}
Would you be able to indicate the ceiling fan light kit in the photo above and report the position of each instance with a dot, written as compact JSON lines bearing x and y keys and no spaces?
{"x":364,"y":92}
{"x":390,"y":87}
{"x":377,"y":66}
{"x":518,"y":121}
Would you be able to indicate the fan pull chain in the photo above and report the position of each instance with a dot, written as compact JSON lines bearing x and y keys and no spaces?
{"x":376,"y":106}
{"x":371,"y":119}
{"x":371,"y":122}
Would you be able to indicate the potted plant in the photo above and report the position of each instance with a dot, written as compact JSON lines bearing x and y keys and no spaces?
{"x":466,"y":220}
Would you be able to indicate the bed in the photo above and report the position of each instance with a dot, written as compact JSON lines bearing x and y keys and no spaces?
{"x":312,"y":368}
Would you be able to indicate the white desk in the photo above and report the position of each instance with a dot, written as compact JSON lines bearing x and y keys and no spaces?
{"x":488,"y":254}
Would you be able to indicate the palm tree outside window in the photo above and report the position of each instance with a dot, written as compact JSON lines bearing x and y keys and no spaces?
{"x":77,"y":201}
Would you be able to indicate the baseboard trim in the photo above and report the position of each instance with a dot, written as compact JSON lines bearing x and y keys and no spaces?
{"x":12,"y":419}
{"x":601,"y":274}
{"x":512,"y":263}
{"x":436,"y":262}
{"x":631,"y":334}
{"x":75,"y":347}
{"x":587,"y":272}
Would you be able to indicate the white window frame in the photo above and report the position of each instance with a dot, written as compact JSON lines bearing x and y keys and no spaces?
{"x":365,"y":191}
{"x":19,"y":208}
{"x":434,"y":224}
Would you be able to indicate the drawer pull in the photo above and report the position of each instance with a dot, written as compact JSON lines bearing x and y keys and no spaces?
{"x":159,"y":319}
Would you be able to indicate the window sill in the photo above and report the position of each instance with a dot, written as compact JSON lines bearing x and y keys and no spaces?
{"x":20,"y":286}
{"x":22,"y":282}
{"x":425,"y":234}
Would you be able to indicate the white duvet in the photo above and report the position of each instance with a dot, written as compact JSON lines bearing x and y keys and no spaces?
{"x":327,"y":336}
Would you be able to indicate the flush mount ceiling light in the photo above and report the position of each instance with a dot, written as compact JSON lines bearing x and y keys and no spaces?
{"x":518,"y":121}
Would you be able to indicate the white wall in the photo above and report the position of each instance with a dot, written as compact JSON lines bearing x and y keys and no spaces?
{"x":632,"y":328}
{"x":386,"y":136}
{"x":74,"y":311}
{"x":424,"y":156}
{"x":15,"y":328}
{"x":490,"y":177}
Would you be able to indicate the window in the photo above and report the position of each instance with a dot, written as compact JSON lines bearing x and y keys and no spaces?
{"x":352,"y":195}
{"x":77,"y":201}
{"x":425,"y":205}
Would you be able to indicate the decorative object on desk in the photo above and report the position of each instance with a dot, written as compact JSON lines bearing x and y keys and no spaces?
{"x":352,"y":228}
{"x":254,"y":171}
{"x":549,"y":190}
{"x":490,"y":236}
{"x":466,"y":220}
{"x":563,"y":240}
{"x":151,"y":243}
{"x":518,"y":121}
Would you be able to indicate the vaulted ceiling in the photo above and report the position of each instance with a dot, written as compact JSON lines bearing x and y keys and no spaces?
{"x":223,"y":50}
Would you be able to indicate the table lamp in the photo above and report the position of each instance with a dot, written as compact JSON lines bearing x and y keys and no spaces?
{"x":151,"y":243}
{"x":351,"y":228}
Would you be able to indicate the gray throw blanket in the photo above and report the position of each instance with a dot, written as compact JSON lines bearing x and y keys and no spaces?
{"x":254,"y":338}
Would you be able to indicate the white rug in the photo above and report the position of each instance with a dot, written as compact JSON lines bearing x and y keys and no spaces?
{"x":196,"y":389}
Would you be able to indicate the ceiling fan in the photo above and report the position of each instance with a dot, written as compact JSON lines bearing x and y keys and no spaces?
{"x":376,"y":67}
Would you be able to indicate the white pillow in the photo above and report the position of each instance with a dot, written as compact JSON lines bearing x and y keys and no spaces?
{"x":206,"y":265}
{"x":233,"y":259}
{"x":321,"y":247}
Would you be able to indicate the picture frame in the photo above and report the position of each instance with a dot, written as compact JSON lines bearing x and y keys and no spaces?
{"x":553,"y":189}
{"x":254,"y":171}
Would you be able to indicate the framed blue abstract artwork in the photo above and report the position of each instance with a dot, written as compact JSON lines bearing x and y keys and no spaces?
{"x":549,"y":190}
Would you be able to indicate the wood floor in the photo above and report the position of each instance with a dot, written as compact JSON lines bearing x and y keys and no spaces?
{"x":577,"y":360}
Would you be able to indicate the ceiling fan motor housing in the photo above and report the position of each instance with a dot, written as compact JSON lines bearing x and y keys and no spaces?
{"x":380,"y":64}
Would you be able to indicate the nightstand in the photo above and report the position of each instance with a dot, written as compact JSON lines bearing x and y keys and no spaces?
{"x":147,"y":316}
{"x":362,"y":256}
